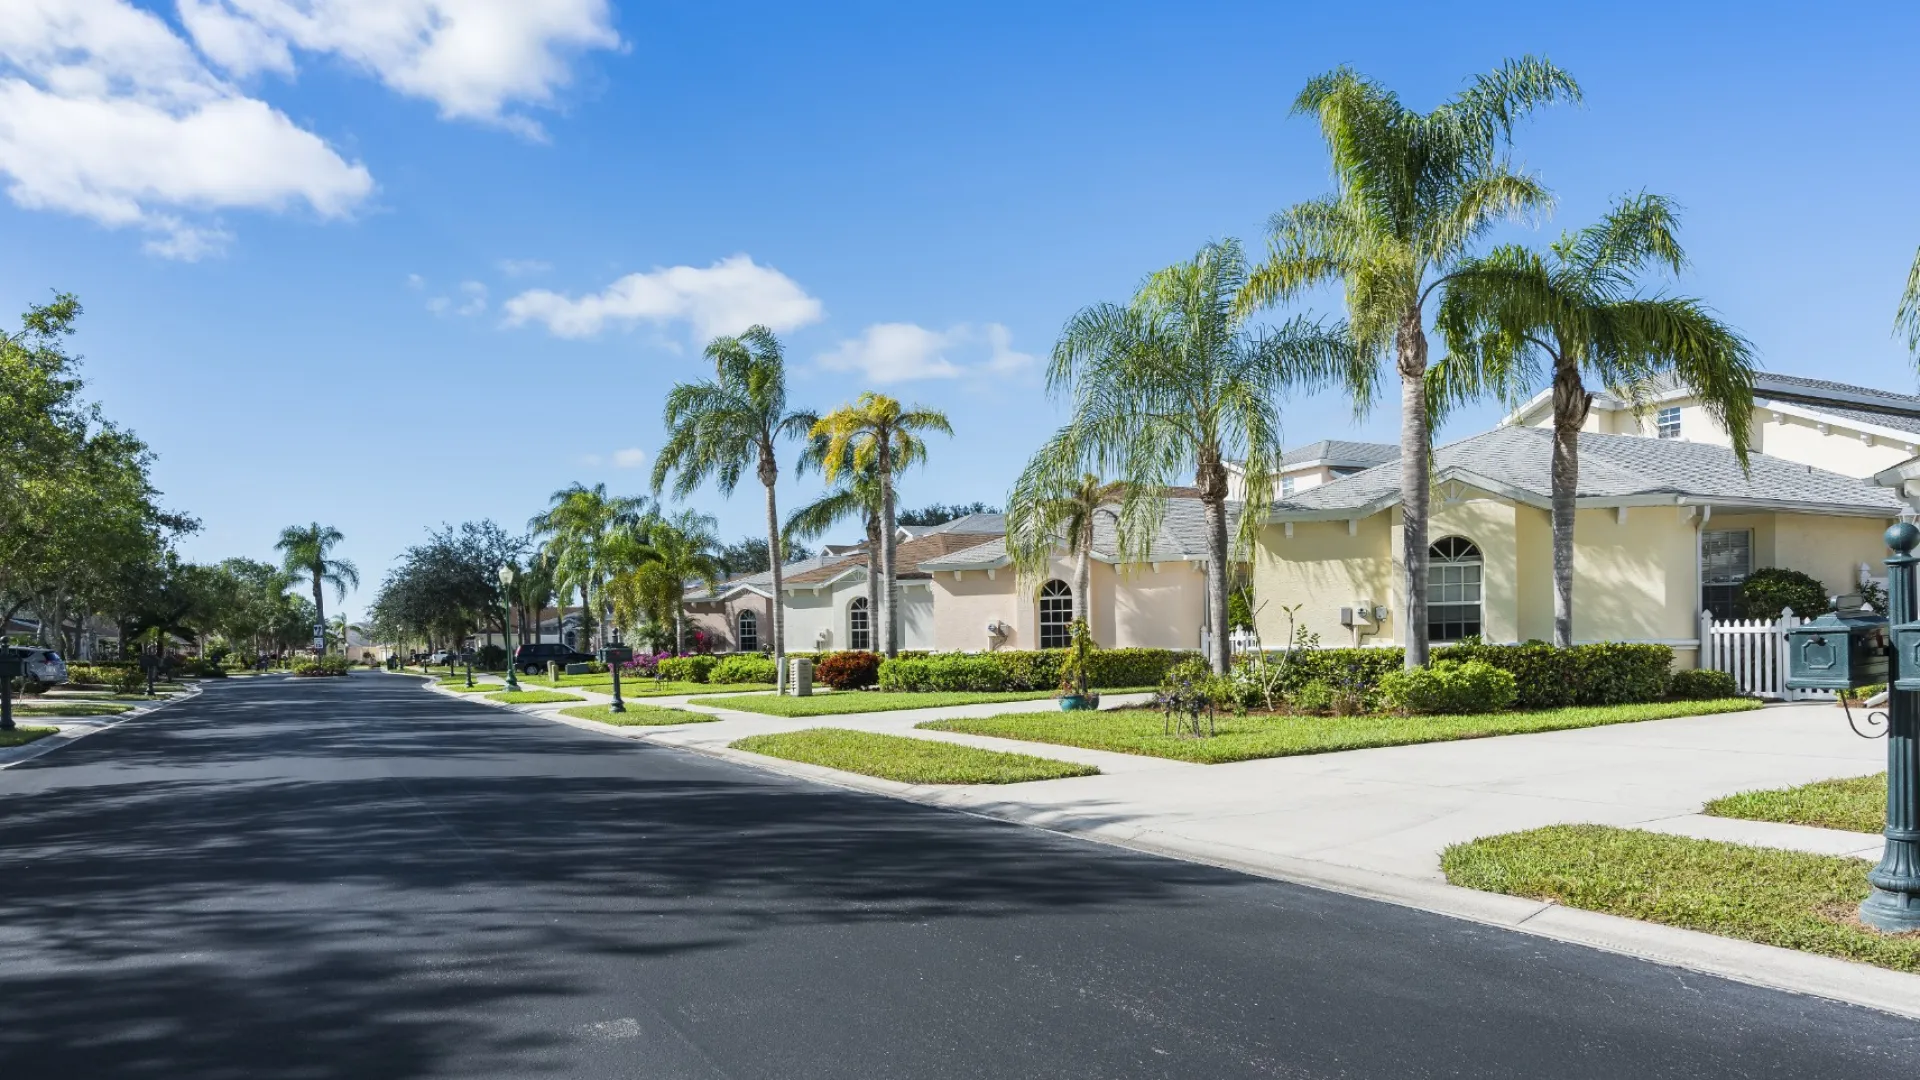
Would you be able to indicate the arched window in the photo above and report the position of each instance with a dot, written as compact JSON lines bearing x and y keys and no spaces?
{"x":748,"y":639}
{"x":859,"y":626}
{"x":1453,"y":590}
{"x":1056,"y":615}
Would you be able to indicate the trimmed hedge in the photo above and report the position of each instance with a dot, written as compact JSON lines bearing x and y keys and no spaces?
{"x":848,"y":670}
{"x":1449,"y":686}
{"x":687,"y":668}
{"x":1024,"y":669}
{"x":1544,"y":677}
{"x":743,"y":668}
{"x":1701,"y":684}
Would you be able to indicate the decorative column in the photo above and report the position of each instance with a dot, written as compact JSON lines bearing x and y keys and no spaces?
{"x":1894,"y":905}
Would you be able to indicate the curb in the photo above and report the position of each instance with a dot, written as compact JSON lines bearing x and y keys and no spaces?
{"x":67,"y":737}
{"x":1753,"y":964}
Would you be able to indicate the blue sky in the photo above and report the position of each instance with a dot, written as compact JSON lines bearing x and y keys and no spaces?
{"x":366,"y":273}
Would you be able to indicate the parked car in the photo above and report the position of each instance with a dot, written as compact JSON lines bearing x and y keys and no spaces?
{"x":532,"y":658}
{"x":42,"y":665}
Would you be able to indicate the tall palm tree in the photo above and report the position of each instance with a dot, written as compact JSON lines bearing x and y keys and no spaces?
{"x":855,"y":493}
{"x":1577,"y":312}
{"x":1907,"y":319}
{"x":719,"y":428}
{"x":878,"y":430}
{"x":1037,"y":521}
{"x":307,"y":551}
{"x":1413,"y":192}
{"x":533,"y":590}
{"x":587,"y":533}
{"x":685,"y":549}
{"x":1176,"y":382}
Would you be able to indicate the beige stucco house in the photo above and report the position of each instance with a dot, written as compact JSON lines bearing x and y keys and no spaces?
{"x":1666,"y":527}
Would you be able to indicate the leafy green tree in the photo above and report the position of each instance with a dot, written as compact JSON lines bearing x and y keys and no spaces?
{"x":941,"y":513}
{"x":878,"y":430}
{"x":1515,"y":317}
{"x":307,"y":551}
{"x":748,"y":555}
{"x":589,"y":535}
{"x":1414,"y":191}
{"x":1174,"y":382}
{"x":718,"y":429}
{"x":1041,"y":519}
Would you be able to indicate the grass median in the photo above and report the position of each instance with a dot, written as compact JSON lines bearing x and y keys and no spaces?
{"x":21,"y":736}
{"x":532,"y":697}
{"x":638,"y":715}
{"x":1856,"y":804}
{"x":908,"y":760}
{"x":1787,"y":898}
{"x":643,"y":687}
{"x":845,"y":702}
{"x":70,"y":708}
{"x":1244,"y":738}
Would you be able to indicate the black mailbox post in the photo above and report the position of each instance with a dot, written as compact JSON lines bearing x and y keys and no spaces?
{"x":12,"y":666}
{"x":1843,"y":652}
{"x":616,"y":657}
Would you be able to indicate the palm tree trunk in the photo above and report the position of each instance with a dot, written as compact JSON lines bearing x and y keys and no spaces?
{"x":1570,"y":404}
{"x":1415,"y":452}
{"x":319,"y":604}
{"x":1217,"y":644}
{"x":779,"y":600}
{"x":1083,"y":582}
{"x":889,"y":588}
{"x":873,"y":584}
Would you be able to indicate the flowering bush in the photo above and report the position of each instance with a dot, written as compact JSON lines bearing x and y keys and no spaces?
{"x":848,"y":670}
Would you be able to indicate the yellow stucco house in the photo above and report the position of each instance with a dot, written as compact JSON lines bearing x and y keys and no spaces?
{"x":1668,"y":524}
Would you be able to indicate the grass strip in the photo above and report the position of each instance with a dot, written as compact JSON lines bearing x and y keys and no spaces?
{"x":648,"y":688}
{"x":846,"y":702}
{"x":1856,"y":804}
{"x":69,"y":708}
{"x":638,"y":715}
{"x":1244,"y":738}
{"x":532,"y":697}
{"x":1787,"y":898}
{"x":21,"y":736}
{"x":908,"y":760}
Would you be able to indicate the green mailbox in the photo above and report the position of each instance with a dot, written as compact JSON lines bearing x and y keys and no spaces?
{"x":1841,"y":650}
{"x":616,"y":654}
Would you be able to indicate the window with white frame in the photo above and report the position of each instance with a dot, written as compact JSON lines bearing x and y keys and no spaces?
{"x":1666,"y":422}
{"x":1726,"y":558}
{"x":1056,"y":615}
{"x":859,"y":625}
{"x":748,"y":638}
{"x":1286,"y":486}
{"x":1454,"y":590}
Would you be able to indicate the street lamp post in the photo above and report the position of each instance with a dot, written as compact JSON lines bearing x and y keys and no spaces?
{"x":506,"y":622}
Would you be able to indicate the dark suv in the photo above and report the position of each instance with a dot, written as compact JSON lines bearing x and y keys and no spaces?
{"x":532,"y":658}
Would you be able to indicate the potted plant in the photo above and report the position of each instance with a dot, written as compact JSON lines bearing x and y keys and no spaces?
{"x":1074,"y":670}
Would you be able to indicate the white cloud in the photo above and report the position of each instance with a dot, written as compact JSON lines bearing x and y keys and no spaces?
{"x":631,"y":458}
{"x":523,"y":267}
{"x":724,"y":298}
{"x":474,"y":59}
{"x":416,"y":282}
{"x":903,"y":352}
{"x":472,"y":300}
{"x":106,"y":113}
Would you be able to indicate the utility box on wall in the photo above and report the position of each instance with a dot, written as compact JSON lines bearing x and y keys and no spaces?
{"x":800,"y":684}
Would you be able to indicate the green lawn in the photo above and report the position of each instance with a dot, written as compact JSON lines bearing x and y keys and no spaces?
{"x":638,"y":715}
{"x":21,"y":736}
{"x":69,"y":708}
{"x":532,"y":697}
{"x":1786,"y":898}
{"x":908,"y":760}
{"x":1243,"y":738}
{"x":603,"y":684}
{"x":863,"y":701}
{"x":1857,"y":804}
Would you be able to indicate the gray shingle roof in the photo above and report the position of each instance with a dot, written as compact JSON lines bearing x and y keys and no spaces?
{"x":764,"y":579}
{"x":1182,"y":535}
{"x":1341,"y":453}
{"x":1611,"y":467}
{"x":973,"y":524}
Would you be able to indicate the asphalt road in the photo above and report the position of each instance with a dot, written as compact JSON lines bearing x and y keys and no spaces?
{"x":354,"y":878}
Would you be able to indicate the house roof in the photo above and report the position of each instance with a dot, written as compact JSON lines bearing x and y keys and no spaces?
{"x":1844,"y":402}
{"x":1340,"y":453}
{"x":973,"y":524}
{"x":762,"y":582}
{"x":908,"y":558}
{"x":1615,"y":470}
{"x":1182,"y":536}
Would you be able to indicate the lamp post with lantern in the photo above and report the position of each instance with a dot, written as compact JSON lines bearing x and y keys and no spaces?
{"x":506,"y":622}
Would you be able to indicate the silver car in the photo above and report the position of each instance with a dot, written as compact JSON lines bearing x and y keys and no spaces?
{"x":42,"y":665}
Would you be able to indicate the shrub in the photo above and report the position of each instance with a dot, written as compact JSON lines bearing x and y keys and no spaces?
{"x":742,"y":668}
{"x":948,"y":671}
{"x":848,"y":670}
{"x":688,"y":668}
{"x":1609,"y":673}
{"x":1701,"y":684}
{"x":324,"y":666}
{"x":1769,"y":591}
{"x":490,"y":658}
{"x":195,"y":668}
{"x":1449,"y":686}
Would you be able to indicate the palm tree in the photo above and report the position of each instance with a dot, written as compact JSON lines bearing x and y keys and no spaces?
{"x":588,"y":533}
{"x":1038,"y":520}
{"x":684,"y":549}
{"x":1414,"y":190}
{"x":1175,"y":382}
{"x":306,"y":551}
{"x":855,"y":493}
{"x":877,"y":429}
{"x":721,"y":427}
{"x":533,"y":590}
{"x":1907,"y":319}
{"x":1577,"y":312}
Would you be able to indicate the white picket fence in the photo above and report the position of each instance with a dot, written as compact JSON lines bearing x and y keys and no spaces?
{"x":1754,"y":652}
